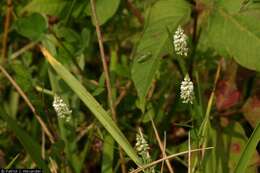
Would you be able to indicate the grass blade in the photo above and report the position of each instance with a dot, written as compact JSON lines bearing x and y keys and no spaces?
{"x":93,"y":105}
{"x":248,"y":151}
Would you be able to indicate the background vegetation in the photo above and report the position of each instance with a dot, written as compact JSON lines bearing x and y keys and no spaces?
{"x":113,"y":63}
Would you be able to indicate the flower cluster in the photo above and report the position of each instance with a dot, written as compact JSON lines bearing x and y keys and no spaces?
{"x":142,"y":148}
{"x":187,"y":90}
{"x":180,"y":42}
{"x":61,"y":108}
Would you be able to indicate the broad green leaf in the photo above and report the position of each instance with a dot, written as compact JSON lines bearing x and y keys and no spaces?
{"x":248,"y":151}
{"x":235,"y":35}
{"x":164,"y":16}
{"x":33,"y":26}
{"x":232,"y":6}
{"x":105,"y":10}
{"x":93,"y":105}
{"x":30,"y":145}
{"x":50,"y":7}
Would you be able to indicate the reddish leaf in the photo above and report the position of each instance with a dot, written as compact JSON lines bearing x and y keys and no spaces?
{"x":251,"y":110}
{"x":227,"y":95}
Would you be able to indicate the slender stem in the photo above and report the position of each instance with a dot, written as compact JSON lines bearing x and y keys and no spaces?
{"x":103,"y":58}
{"x":43,"y":90}
{"x":123,"y":93}
{"x":28,"y":102}
{"x":106,"y":72}
{"x":43,"y":144}
{"x":194,"y":38}
{"x":204,"y":126}
{"x":6,"y":29}
{"x":167,"y":158}
{"x":22,"y":50}
{"x":135,"y":11}
{"x":189,"y":154}
{"x":161,"y":147}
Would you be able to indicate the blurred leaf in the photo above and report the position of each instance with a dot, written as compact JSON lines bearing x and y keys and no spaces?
{"x":108,"y":154}
{"x":232,"y":6}
{"x":33,"y":26}
{"x":224,"y":30}
{"x":50,"y":7}
{"x":164,"y":15}
{"x":251,"y":110}
{"x":248,"y":151}
{"x":105,"y":10}
{"x":93,"y":105}
{"x":148,"y":114}
{"x":227,"y":95}
{"x":23,"y":76}
{"x":30,"y":145}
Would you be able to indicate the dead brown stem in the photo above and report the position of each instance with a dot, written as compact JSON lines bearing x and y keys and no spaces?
{"x":6,"y":29}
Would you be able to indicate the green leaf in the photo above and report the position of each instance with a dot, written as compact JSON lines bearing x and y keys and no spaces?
{"x":30,"y":145}
{"x":93,"y":105}
{"x":236,"y":35}
{"x":32,"y":27}
{"x":105,"y":10}
{"x":165,"y":16}
{"x":108,"y":154}
{"x":248,"y":151}
{"x":232,"y":6}
{"x":50,"y":7}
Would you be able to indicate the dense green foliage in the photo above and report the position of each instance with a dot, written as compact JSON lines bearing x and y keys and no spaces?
{"x":52,"y":48}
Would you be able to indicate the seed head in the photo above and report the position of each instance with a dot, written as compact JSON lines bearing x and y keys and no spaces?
{"x":141,"y":145}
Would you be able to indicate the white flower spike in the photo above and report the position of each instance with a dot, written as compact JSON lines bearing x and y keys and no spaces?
{"x":61,"y":108}
{"x":180,"y":42}
{"x":187,"y":90}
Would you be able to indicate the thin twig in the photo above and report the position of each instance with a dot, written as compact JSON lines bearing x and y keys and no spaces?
{"x":161,"y":146}
{"x":164,"y":148}
{"x":28,"y":102}
{"x":22,"y":50}
{"x":6,"y":28}
{"x":123,"y":93}
{"x":103,"y":58}
{"x":43,"y":145}
{"x":189,"y":154}
{"x":106,"y":72}
{"x":167,"y":158}
{"x":135,"y":11}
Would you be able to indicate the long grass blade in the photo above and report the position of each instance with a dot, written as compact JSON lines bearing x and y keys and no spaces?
{"x":93,"y":105}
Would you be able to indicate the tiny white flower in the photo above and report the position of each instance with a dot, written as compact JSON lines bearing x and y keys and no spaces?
{"x":180,"y":42}
{"x":61,"y":108}
{"x":187,"y":90}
